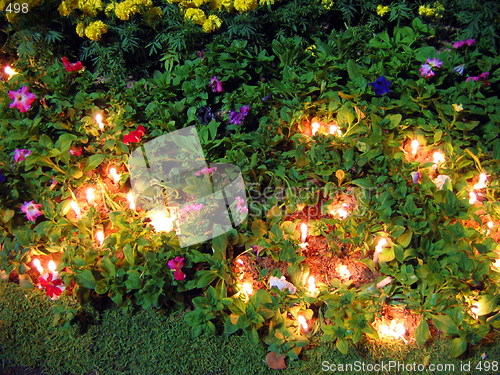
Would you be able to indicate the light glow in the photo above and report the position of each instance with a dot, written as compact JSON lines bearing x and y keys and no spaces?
{"x":247,"y":288}
{"x":38,"y":265}
{"x":76,"y":208}
{"x":90,"y":195}
{"x":52,"y":266}
{"x":334,"y":130}
{"x":315,"y":127}
{"x":311,"y":285}
{"x":161,"y":222}
{"x":483,"y":177}
{"x":99,"y":236}
{"x":340,"y":212}
{"x":303,"y":323}
{"x":490,"y":224}
{"x":438,"y":158}
{"x":496,"y":263}
{"x":98,"y":120}
{"x":472,"y":197}
{"x":395,"y":330}
{"x":114,"y":175}
{"x":343,"y":272}
{"x":378,"y":249}
{"x":414,"y":147}
{"x":131,"y":200}
{"x":303,"y":231}
{"x":9,"y":72}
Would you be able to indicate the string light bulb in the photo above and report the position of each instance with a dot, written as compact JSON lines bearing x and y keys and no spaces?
{"x":303,"y":231}
{"x":76,"y":208}
{"x":415,"y":144}
{"x":472,"y":197}
{"x":38,"y":265}
{"x":335,"y":130}
{"x":52,"y":266}
{"x":303,"y":323}
{"x":315,"y":127}
{"x":438,"y":158}
{"x":98,"y":120}
{"x":131,"y":200}
{"x":90,"y":193}
{"x":99,"y":235}
{"x":483,"y":177}
{"x":114,"y":175}
{"x":311,"y":285}
{"x":9,"y":72}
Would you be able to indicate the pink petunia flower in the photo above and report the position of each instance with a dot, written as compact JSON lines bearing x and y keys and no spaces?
{"x":241,"y":205}
{"x":22,"y":99}
{"x":470,"y":42}
{"x":53,"y":286}
{"x":482,"y":77}
{"x":176,"y":264}
{"x":461,"y":43}
{"x":426,"y":71}
{"x":20,"y":154}
{"x":135,"y":136}
{"x":216,"y":85}
{"x":31,"y":210}
{"x":434,"y":63}
{"x":72,"y":67}
{"x":205,"y":171}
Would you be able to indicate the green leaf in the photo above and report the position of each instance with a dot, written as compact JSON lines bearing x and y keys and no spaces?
{"x":205,"y":278}
{"x":259,"y":228}
{"x":342,"y":346}
{"x":129,"y":253}
{"x":457,"y":347}
{"x":362,"y":182}
{"x":387,"y":255}
{"x":445,"y":323}
{"x":93,"y":162}
{"x":108,"y":267}
{"x":86,"y":279}
{"x":404,"y":239}
{"x":422,"y":333}
{"x":486,"y":304}
{"x":133,"y":280}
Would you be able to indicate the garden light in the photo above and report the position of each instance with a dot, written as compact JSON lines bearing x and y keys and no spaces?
{"x":315,"y":127}
{"x":90,"y":195}
{"x":247,"y":289}
{"x":38,"y":265}
{"x":394,"y":330}
{"x":99,"y":236}
{"x":311,"y":285}
{"x":9,"y":72}
{"x":483,"y":177}
{"x":52,"y":266}
{"x":303,"y":322}
{"x":334,"y":130}
{"x":303,"y":231}
{"x":437,"y":158}
{"x":161,"y":222}
{"x":98,"y":120}
{"x":340,"y":212}
{"x":131,"y":200}
{"x":343,"y":272}
{"x":472,"y":197}
{"x":114,"y":175}
{"x":76,"y":209}
{"x":414,"y":147}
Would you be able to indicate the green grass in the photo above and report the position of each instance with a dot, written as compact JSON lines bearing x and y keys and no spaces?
{"x":148,"y":342}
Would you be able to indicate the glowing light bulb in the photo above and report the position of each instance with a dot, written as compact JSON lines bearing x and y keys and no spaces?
{"x":90,"y":195}
{"x":472,"y":197}
{"x":378,"y":249}
{"x":483,"y":177}
{"x":303,"y":323}
{"x":131,"y":200}
{"x":9,"y":72}
{"x":239,"y":261}
{"x":438,"y":158}
{"x":99,"y":236}
{"x":38,"y":265}
{"x":114,"y":175}
{"x":394,"y":330}
{"x":98,"y":119}
{"x":340,"y":212}
{"x":311,"y":284}
{"x":496,"y":263}
{"x":303,"y":231}
{"x":247,"y":288}
{"x":315,"y":127}
{"x":52,"y":266}
{"x":334,"y":129}
{"x":161,"y":221}
{"x":343,"y":272}
{"x":414,"y":147}
{"x":76,"y":209}
{"x":490,"y":224}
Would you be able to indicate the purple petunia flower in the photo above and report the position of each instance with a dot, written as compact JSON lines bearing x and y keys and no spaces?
{"x":2,"y":178}
{"x":236,"y":117}
{"x":22,"y":99}
{"x":31,"y":210}
{"x":21,"y":154}
{"x":415,"y":176}
{"x":381,"y":85}
{"x":216,"y":85}
{"x":426,"y":71}
{"x":434,"y":63}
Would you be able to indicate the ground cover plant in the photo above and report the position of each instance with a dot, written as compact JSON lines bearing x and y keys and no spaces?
{"x":368,"y":147}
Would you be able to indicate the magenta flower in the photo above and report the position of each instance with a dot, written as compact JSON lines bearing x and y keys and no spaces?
{"x":468,"y":42}
{"x":381,"y":85}
{"x":216,"y":85}
{"x":22,"y":99}
{"x":197,"y":207}
{"x":241,"y":205}
{"x":21,"y":154}
{"x":72,"y":67}
{"x":236,"y":117}
{"x":205,"y":171}
{"x":482,"y":77}
{"x":176,"y":264}
{"x":31,"y":210}
{"x":434,"y":63}
{"x":426,"y":71}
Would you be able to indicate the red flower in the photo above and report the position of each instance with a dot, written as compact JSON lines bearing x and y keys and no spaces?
{"x":76,"y":150}
{"x":134,"y":136}
{"x":176,"y":264}
{"x":72,"y":67}
{"x":53,"y":287}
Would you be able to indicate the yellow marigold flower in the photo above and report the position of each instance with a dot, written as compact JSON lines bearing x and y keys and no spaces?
{"x":95,"y":30}
{"x":110,"y":8}
{"x":426,"y":11}
{"x":327,"y":4}
{"x":124,"y":9}
{"x":245,"y":5}
{"x":67,"y":6}
{"x":80,"y":29}
{"x":196,"y":15}
{"x":211,"y":24}
{"x":228,"y":4}
{"x":90,"y":7}
{"x":382,"y":10}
